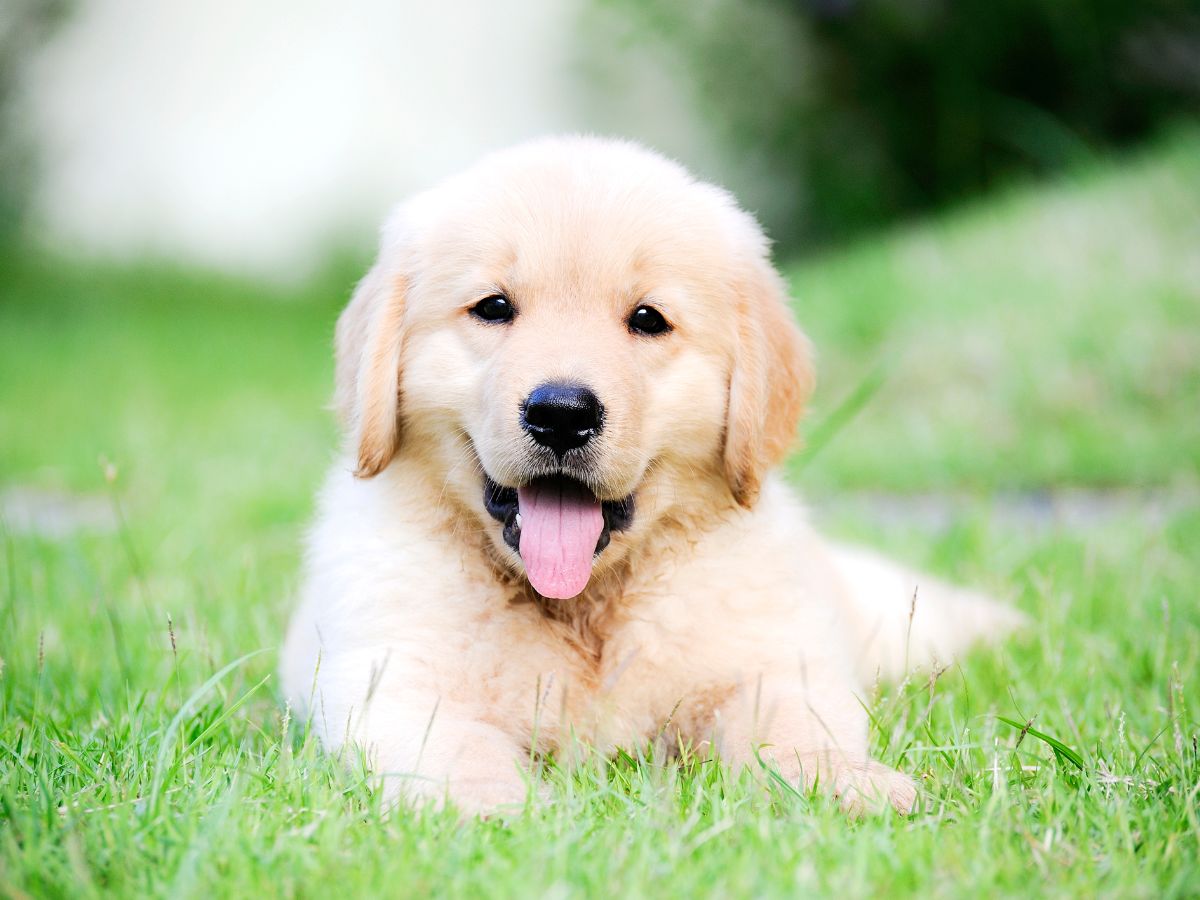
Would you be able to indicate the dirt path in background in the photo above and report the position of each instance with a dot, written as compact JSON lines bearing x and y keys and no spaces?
{"x":58,"y":514}
{"x":1039,"y":510}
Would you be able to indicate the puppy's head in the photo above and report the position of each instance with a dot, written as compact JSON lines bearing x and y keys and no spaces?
{"x":573,"y":339}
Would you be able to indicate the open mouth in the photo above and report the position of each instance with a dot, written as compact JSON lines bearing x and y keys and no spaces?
{"x":558,"y":526}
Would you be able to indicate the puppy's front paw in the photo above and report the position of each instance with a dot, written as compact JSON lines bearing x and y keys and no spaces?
{"x":491,"y":797}
{"x":872,"y":787}
{"x":475,"y":790}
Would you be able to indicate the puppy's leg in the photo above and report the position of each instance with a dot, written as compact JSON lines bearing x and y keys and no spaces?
{"x":423,"y":751}
{"x":813,"y":737}
{"x":432,"y":759}
{"x":901,"y":620}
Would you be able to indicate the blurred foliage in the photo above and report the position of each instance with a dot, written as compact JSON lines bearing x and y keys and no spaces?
{"x":24,"y":26}
{"x":871,"y":109}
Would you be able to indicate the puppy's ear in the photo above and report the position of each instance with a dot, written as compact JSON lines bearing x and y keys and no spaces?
{"x":367,"y":347}
{"x":772,"y":379}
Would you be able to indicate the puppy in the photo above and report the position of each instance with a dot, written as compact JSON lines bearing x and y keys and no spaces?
{"x":563,"y":386}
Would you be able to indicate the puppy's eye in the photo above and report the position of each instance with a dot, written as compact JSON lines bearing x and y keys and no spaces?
{"x":495,"y":308}
{"x":648,"y":320}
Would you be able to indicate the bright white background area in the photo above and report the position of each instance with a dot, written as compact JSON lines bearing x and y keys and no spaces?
{"x":260,"y":136}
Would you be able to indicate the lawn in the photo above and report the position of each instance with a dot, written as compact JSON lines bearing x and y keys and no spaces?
{"x":1010,"y":396}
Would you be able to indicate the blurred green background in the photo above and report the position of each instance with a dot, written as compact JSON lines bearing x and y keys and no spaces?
{"x":874,"y":109}
{"x":829,"y":117}
{"x":989,"y":215}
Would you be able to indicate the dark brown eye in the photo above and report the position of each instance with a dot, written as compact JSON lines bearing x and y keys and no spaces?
{"x":495,"y":308}
{"x":648,"y":320}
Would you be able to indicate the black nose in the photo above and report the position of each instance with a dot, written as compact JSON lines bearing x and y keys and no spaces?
{"x":562,"y":416}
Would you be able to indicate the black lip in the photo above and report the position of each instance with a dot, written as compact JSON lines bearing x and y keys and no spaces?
{"x":501,"y":504}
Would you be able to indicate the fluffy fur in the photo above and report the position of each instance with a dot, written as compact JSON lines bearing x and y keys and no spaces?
{"x":718,"y":618}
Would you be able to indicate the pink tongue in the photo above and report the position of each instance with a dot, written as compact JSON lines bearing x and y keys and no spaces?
{"x":560,"y":525}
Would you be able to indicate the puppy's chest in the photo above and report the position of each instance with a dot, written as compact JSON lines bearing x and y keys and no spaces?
{"x":613,"y":685}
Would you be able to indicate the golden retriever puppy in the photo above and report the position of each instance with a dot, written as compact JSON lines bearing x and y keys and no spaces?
{"x":564,"y":385}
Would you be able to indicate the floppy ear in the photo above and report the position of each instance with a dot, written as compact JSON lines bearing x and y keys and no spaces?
{"x":367,"y":349}
{"x":772,"y":379}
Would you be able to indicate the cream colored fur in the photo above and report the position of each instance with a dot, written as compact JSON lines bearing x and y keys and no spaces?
{"x":719,"y":618}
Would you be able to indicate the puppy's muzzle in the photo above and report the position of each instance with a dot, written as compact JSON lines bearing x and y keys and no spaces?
{"x":562,"y":417}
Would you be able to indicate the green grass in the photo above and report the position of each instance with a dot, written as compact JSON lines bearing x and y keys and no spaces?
{"x":1044,"y":339}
